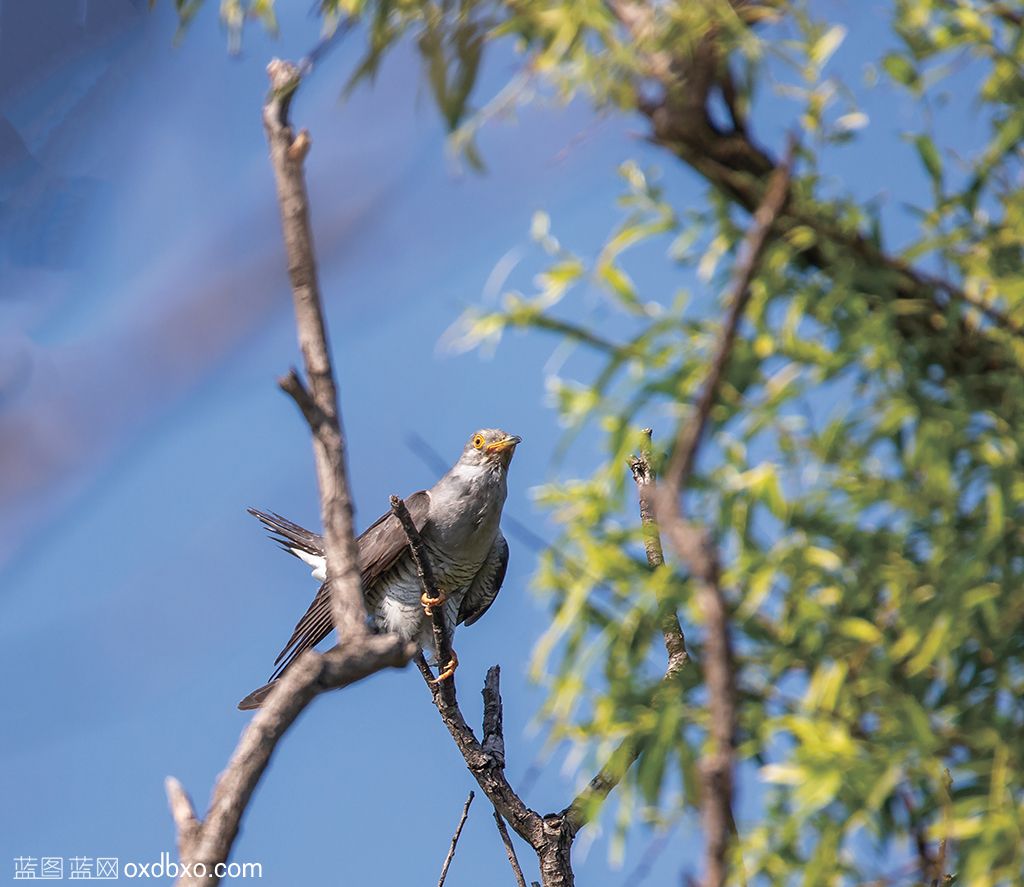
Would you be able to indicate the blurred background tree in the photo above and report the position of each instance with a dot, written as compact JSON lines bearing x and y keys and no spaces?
{"x":863,"y":473}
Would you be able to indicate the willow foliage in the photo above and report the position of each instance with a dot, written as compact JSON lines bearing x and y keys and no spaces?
{"x":865,"y":473}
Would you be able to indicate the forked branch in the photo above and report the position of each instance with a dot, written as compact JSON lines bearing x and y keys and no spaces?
{"x":203,"y":844}
{"x":551,"y":836}
{"x":319,"y":404}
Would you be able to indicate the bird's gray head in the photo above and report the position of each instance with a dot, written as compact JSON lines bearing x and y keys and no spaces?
{"x":489,"y":449}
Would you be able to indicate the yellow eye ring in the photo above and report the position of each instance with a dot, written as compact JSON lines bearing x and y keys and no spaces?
{"x":478,"y":441}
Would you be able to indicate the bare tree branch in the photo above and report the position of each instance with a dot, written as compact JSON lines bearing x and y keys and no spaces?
{"x":292,"y":385}
{"x":184,"y":814}
{"x":588,"y":802}
{"x":645,"y":480}
{"x":202,"y":845}
{"x":455,"y":840}
{"x":696,"y":548}
{"x":550,"y":836}
{"x":494,"y":735}
{"x":510,"y":851}
{"x":487,"y":768}
{"x":287,"y":156}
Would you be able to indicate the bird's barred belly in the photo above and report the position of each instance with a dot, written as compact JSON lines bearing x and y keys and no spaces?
{"x":394,"y":600}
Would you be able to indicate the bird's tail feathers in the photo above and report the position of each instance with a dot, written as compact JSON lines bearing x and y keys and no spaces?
{"x":290,"y":536}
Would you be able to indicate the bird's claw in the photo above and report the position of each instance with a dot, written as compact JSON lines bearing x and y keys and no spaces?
{"x":449,"y":670}
{"x":430,"y":602}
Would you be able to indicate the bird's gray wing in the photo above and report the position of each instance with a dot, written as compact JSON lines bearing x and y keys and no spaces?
{"x":486,"y":584}
{"x":380,"y":546}
{"x":384,"y":541}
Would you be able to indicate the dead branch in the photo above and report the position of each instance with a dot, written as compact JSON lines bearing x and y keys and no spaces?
{"x":486,"y":767}
{"x":588,"y":802}
{"x":320,"y":403}
{"x":425,"y":572}
{"x":204,"y":844}
{"x":184,"y":814}
{"x":550,"y":836}
{"x":645,"y":480}
{"x":494,"y":734}
{"x":455,"y":840}
{"x":510,"y":851}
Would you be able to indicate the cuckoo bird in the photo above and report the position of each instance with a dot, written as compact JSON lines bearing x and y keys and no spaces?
{"x":458,"y":519}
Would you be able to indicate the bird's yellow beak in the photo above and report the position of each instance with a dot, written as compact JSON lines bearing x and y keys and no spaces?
{"x":506,"y":443}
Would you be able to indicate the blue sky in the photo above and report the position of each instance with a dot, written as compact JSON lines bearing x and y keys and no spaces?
{"x":144,"y":316}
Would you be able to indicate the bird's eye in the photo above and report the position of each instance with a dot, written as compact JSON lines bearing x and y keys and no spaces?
{"x":478,"y":441}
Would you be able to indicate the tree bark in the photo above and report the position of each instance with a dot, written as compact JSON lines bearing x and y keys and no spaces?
{"x":202,"y":845}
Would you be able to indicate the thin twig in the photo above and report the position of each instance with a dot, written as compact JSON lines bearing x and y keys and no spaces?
{"x":586,"y":804}
{"x":455,"y":840}
{"x":292,"y":385}
{"x":510,"y":851}
{"x":494,"y":735}
{"x":428,"y":581}
{"x":487,"y":770}
{"x":645,"y":480}
{"x":930,"y":867}
{"x":421,"y":663}
{"x":424,"y":569}
{"x":485,"y":765}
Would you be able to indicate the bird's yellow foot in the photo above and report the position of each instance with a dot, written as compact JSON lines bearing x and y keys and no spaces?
{"x":430,"y":602}
{"x":449,"y":669}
